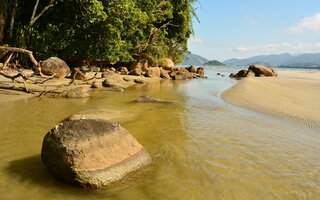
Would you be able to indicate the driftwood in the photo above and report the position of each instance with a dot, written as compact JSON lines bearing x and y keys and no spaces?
{"x":7,"y":61}
{"x":20,"y":50}
{"x":14,"y":76}
{"x":28,"y":53}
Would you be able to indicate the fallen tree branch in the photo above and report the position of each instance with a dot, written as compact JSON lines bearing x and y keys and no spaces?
{"x":30,"y":54}
{"x":7,"y":61}
{"x":14,"y":76}
{"x":19,"y":50}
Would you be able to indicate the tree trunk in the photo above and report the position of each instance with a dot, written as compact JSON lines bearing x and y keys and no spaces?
{"x":13,"y":16}
{"x":2,"y":23}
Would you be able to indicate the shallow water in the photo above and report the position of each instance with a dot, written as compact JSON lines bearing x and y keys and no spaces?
{"x":202,"y":147}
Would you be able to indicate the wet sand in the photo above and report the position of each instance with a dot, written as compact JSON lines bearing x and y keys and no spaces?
{"x":292,"y":95}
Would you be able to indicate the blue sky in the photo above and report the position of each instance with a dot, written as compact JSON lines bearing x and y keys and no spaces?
{"x":244,"y":28}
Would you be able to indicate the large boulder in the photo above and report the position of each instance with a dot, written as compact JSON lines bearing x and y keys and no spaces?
{"x":191,"y":69}
{"x":200,"y":71}
{"x":164,"y":73}
{"x":181,"y":73}
{"x":92,"y":152}
{"x":136,"y":72}
{"x":153,"y":72}
{"x":167,"y":64}
{"x":261,"y":70}
{"x":55,"y":66}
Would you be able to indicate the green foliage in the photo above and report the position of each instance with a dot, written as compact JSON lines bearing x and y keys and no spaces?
{"x":112,"y":30}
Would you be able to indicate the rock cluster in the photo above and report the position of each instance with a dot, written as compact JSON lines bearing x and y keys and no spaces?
{"x":166,"y":70}
{"x":254,"y":71}
{"x":92,"y":152}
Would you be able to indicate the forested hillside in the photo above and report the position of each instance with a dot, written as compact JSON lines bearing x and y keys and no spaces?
{"x":115,"y":31}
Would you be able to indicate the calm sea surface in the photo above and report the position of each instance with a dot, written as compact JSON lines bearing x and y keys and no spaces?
{"x":202,"y":147}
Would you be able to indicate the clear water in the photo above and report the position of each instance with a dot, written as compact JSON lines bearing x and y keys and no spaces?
{"x":202,"y":147}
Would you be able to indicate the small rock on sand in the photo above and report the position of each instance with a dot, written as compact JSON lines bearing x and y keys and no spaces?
{"x":139,"y":81}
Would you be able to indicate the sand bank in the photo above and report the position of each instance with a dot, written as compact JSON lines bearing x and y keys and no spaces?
{"x":291,"y":98}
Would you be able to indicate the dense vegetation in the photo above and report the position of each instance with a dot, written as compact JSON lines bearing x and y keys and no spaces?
{"x":117,"y":31}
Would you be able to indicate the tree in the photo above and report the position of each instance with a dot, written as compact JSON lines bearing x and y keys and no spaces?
{"x":118,"y":31}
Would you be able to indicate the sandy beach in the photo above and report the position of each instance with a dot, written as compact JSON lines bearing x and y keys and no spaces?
{"x":293,"y":95}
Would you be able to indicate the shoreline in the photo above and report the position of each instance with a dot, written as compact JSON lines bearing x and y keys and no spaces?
{"x":293,"y":96}
{"x":59,"y":85}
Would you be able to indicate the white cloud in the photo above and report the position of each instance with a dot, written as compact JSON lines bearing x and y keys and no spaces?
{"x":278,"y":48}
{"x":195,"y":41}
{"x":305,"y":25}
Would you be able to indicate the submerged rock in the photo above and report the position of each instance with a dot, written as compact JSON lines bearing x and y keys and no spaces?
{"x":112,"y":87}
{"x":149,"y":99}
{"x":55,"y":66}
{"x":92,"y":152}
{"x":79,"y":92}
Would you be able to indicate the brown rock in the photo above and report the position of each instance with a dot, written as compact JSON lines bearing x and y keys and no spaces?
{"x":242,"y":73}
{"x":200,"y":71}
{"x":136,"y":72}
{"x":78,"y":75}
{"x":250,"y":74}
{"x":153,"y":72}
{"x":149,"y":99}
{"x":94,"y":85}
{"x":127,"y":79}
{"x":181,"y":75}
{"x":167,"y":64}
{"x":164,"y":73}
{"x":123,"y":71}
{"x":55,"y":66}
{"x":191,"y":69}
{"x":261,"y":70}
{"x":79,"y":92}
{"x":92,"y":152}
{"x":139,"y":81}
{"x":112,"y":77}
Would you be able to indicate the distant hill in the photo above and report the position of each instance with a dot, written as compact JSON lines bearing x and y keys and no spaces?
{"x":214,"y":63}
{"x":193,"y":59}
{"x":303,"y":60}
